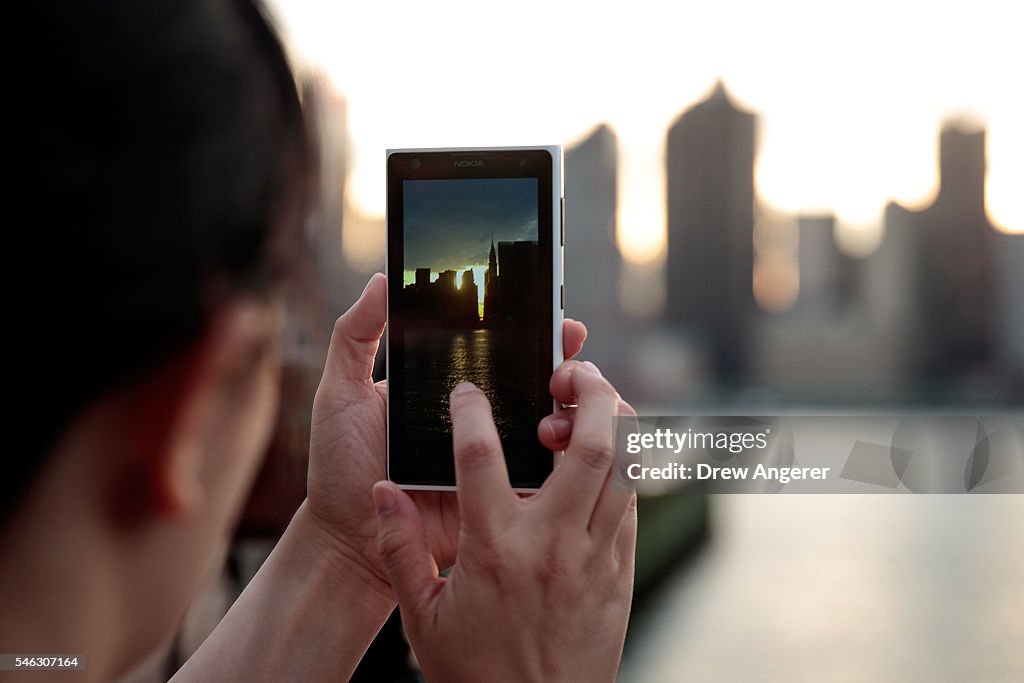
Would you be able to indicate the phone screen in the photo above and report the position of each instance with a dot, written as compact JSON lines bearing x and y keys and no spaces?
{"x":470,"y":299}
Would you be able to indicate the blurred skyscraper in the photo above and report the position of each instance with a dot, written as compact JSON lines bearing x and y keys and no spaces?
{"x":828,"y":276}
{"x":593,"y":263}
{"x":941,"y":263}
{"x":337,"y":283}
{"x":710,"y":175}
{"x":1010,"y":300}
{"x":822,"y":349}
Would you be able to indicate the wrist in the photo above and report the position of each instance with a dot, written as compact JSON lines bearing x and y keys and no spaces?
{"x":344,"y":564}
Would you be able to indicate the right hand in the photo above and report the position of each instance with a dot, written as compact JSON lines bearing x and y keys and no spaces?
{"x":542,"y":586}
{"x":347,"y":451}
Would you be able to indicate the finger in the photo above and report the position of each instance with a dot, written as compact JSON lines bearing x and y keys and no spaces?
{"x":619,"y":488}
{"x":403,"y":548}
{"x":555,"y":430}
{"x":574,"y":333}
{"x":560,"y":385}
{"x":357,"y":334}
{"x":440,"y":511}
{"x":575,"y":485}
{"x":481,"y":476}
{"x":625,"y":542}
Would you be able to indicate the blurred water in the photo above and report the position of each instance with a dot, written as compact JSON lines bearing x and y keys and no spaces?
{"x":843,"y":588}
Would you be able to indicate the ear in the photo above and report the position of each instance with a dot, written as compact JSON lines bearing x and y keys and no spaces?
{"x":171,"y":414}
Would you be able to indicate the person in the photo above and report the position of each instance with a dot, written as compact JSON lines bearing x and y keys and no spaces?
{"x":163,"y":152}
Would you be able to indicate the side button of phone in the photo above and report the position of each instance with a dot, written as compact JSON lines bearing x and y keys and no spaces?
{"x":563,"y":297}
{"x":562,"y":216}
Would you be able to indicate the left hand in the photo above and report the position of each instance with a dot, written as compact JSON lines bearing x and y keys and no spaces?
{"x":347,"y":451}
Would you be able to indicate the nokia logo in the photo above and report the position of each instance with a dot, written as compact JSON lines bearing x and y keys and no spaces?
{"x":468,"y":163}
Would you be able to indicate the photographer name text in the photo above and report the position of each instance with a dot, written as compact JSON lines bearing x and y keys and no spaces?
{"x":705,"y":472}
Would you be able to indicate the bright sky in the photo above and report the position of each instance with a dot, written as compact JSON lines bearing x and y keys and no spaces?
{"x":851,"y":96}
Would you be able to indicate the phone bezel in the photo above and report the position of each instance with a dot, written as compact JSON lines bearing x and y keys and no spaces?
{"x":556,"y":240}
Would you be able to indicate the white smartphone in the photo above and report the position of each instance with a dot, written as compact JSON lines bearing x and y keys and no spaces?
{"x":474,"y":265}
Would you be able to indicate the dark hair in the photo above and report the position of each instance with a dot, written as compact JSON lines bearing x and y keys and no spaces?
{"x":163,"y":163}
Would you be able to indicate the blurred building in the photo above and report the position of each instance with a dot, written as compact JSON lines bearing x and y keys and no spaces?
{"x":710,"y":175}
{"x":936,"y":313}
{"x":1010,"y":300}
{"x":939,"y":267}
{"x":828,"y":276}
{"x":959,"y":266}
{"x":593,"y":264}
{"x":337,"y":283}
{"x":822,"y":349}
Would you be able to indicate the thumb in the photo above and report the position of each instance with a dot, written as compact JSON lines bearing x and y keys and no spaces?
{"x":403,"y":547}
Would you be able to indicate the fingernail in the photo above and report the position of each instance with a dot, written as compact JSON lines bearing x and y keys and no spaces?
{"x":590,"y":367}
{"x":463,"y":388}
{"x":384,"y":499}
{"x":369,"y":283}
{"x":561,"y":429}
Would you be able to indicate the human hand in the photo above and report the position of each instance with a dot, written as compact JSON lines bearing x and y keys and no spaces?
{"x":542,"y":587}
{"x":347,"y":452}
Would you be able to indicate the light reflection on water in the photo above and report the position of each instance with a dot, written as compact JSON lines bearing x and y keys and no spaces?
{"x":843,"y":588}
{"x":498,"y":361}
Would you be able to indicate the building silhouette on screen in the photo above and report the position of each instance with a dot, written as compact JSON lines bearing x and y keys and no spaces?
{"x":511,"y":283}
{"x":710,"y":175}
{"x":491,"y":294}
{"x":511,"y":288}
{"x":443,"y":302}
